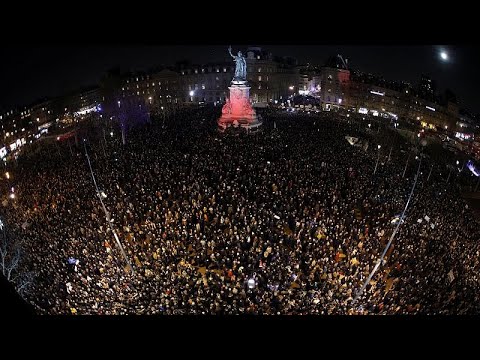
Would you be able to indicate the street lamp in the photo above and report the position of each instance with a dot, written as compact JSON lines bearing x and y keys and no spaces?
{"x":378,"y":158}
{"x":118,"y":102}
{"x":163,"y":125}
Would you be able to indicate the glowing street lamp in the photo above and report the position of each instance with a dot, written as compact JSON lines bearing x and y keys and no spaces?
{"x":191,"y":93}
{"x":291,"y":87}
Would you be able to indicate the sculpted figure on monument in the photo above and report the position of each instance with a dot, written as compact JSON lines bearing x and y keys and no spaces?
{"x":241,"y":66}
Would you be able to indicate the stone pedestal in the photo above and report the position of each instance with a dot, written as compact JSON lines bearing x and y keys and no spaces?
{"x":238,"y":111}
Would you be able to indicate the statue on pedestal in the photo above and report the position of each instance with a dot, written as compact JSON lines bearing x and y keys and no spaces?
{"x":241,"y":66}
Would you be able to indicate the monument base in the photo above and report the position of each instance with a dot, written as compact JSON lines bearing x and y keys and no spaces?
{"x":237,"y":111}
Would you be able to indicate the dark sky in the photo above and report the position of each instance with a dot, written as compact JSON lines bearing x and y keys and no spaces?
{"x":28,"y":73}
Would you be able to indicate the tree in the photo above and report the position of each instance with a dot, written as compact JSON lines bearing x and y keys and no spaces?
{"x":131,"y":113}
{"x":11,"y":261}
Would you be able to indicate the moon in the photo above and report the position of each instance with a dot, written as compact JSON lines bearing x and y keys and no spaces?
{"x":444,"y":55}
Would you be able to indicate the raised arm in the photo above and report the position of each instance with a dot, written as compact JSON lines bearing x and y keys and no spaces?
{"x":230,"y":52}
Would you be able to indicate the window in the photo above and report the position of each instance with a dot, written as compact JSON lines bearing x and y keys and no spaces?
{"x":259,"y":78}
{"x":259,"y":69}
{"x":196,"y":71}
{"x":218,"y":70}
{"x":153,"y":83}
{"x":224,"y":69}
{"x":203,"y":86}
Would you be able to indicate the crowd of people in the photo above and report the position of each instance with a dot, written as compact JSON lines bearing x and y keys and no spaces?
{"x":290,"y":220}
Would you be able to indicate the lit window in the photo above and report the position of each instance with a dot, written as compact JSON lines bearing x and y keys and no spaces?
{"x":259,"y":69}
{"x":196,"y":71}
{"x":224,"y":69}
{"x":203,"y":70}
{"x":258,"y":57}
{"x":137,"y":78}
{"x":203,"y":86}
{"x":138,"y":92}
{"x":259,"y":78}
{"x":218,"y":70}
{"x":153,"y":84}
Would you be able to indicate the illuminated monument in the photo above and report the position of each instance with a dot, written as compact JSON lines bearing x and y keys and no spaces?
{"x":238,"y":111}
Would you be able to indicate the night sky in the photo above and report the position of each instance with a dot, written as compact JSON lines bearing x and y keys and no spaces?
{"x":29,"y":73}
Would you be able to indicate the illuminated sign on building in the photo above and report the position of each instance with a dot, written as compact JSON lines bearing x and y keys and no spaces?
{"x":86,"y":110}
{"x":45,"y":126}
{"x":430,"y":108}
{"x":3,"y":152}
{"x":363,"y":111}
{"x":377,"y":93}
{"x":463,"y":136}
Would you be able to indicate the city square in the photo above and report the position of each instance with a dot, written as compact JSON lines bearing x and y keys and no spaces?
{"x":253,"y":185}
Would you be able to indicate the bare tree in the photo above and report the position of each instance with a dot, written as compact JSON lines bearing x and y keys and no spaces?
{"x":11,"y":258}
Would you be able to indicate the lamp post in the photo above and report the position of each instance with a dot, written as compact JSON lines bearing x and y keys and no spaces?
{"x":450,"y":173}
{"x":378,"y":158}
{"x":406,"y":164}
{"x":428,"y":177}
{"x":163,"y":111}
{"x":107,"y":214}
